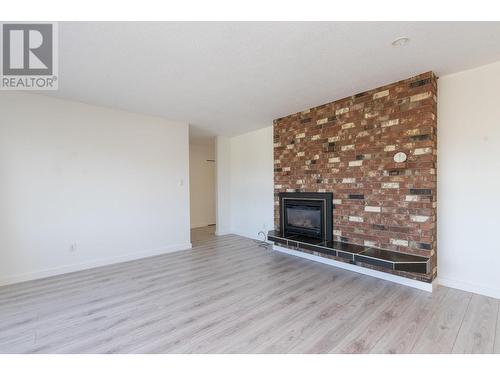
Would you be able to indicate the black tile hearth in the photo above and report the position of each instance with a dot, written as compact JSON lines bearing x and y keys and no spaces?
{"x":391,"y":256}
{"x":304,"y":239}
{"x":344,"y":250}
{"x":356,"y":254}
{"x":393,"y":260}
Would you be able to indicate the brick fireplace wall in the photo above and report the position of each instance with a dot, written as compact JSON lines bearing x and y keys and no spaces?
{"x":347,"y":147}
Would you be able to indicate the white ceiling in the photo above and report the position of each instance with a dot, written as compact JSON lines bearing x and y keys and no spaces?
{"x":230,"y":78}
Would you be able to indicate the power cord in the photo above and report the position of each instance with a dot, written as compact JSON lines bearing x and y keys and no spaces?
{"x":262,"y":243}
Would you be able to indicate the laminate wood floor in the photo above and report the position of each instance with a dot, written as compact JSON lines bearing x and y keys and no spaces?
{"x":230,"y":295}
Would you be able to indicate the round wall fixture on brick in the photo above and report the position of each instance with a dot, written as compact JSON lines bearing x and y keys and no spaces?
{"x":400,"y":157}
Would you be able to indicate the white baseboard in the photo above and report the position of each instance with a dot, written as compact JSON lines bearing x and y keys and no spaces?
{"x":352,"y":267}
{"x":469,"y":287}
{"x":13,"y":279}
{"x":247,"y":235}
{"x":201,"y":225}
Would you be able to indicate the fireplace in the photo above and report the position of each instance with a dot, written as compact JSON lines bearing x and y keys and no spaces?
{"x":305,"y":221}
{"x":306,"y":214}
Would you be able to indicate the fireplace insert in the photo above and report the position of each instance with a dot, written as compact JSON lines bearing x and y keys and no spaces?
{"x":306,"y":214}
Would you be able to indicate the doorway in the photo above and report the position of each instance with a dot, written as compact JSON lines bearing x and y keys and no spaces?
{"x":202,"y":182}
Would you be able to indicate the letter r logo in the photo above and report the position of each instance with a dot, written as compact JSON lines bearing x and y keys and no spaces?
{"x":27,"y":49}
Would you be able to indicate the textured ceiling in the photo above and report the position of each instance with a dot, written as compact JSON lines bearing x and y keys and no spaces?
{"x":230,"y":78}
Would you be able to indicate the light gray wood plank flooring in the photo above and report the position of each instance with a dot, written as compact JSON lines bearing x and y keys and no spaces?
{"x":230,"y":295}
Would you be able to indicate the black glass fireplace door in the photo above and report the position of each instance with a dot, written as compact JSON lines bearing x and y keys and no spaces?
{"x":304,"y":217}
{"x":308,"y":214}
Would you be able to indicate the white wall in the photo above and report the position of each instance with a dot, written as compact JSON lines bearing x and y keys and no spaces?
{"x":112,"y":182}
{"x":202,"y":184}
{"x":252,"y":184}
{"x":245,"y":183}
{"x":469,"y":180}
{"x":223,"y":187}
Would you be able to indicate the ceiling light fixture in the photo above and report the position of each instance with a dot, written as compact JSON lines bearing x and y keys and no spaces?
{"x":399,"y":42}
